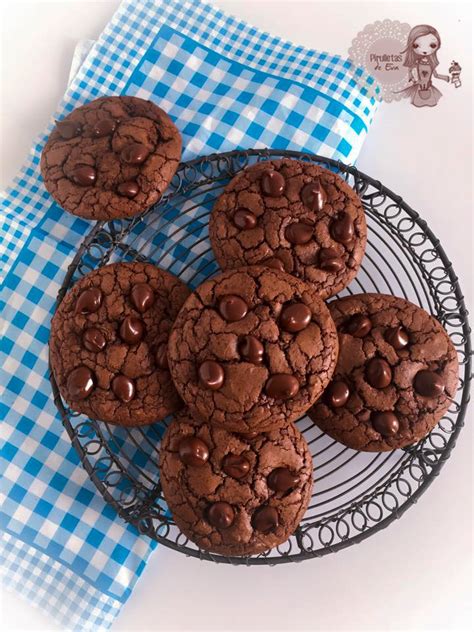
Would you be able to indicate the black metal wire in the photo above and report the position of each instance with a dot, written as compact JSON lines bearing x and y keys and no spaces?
{"x":356,"y":494}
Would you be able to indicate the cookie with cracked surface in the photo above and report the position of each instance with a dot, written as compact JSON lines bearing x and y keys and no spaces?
{"x":108,"y":343}
{"x":396,"y":374}
{"x":235,"y":494}
{"x":252,"y":348}
{"x":294,"y":216}
{"x":111,"y":158}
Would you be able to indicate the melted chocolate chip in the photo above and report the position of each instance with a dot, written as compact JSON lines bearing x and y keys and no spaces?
{"x":80,"y":383}
{"x":123,"y":388}
{"x":89,"y":301}
{"x":236,"y":465}
{"x":132,"y":330}
{"x":358,"y":325}
{"x":298,"y":233}
{"x":428,"y":384}
{"x":68,"y":129}
{"x":314,"y":196}
{"x":142,"y":297}
{"x":193,"y":451}
{"x":93,"y":340}
{"x":342,"y":229}
{"x":221,"y":515}
{"x":232,"y":308}
{"x":378,"y":373}
{"x":273,"y":183}
{"x":337,"y":394}
{"x":282,"y":386}
{"x":128,"y":189}
{"x":265,"y":519}
{"x":282,"y":479}
{"x":251,"y":349}
{"x":105,"y":127}
{"x":84,"y":175}
{"x":211,"y":375}
{"x":244,"y":219}
{"x":134,"y":154}
{"x":330,"y":261}
{"x":275,"y":263}
{"x":386,"y":423}
{"x":161,"y":356}
{"x":397,"y":337}
{"x":295,"y":317}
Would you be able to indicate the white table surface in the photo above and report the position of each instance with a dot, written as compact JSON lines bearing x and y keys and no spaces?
{"x":415,"y":575}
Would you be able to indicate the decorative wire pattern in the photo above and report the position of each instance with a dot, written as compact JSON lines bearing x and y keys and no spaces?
{"x":355,"y":494}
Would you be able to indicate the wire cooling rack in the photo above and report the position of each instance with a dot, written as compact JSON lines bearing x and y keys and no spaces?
{"x":355,"y":494}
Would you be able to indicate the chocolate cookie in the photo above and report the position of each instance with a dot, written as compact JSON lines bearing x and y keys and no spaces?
{"x":294,"y":216}
{"x":235,"y":494}
{"x":396,"y":374}
{"x":252,"y":348}
{"x":108,"y":343}
{"x":110,"y":158}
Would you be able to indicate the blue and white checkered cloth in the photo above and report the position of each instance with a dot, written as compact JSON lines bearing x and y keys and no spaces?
{"x":226,"y":85}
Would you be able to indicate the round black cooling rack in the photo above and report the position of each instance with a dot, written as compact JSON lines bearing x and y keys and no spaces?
{"x":355,"y":494}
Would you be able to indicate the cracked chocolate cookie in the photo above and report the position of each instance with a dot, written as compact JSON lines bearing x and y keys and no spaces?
{"x":294,"y":216}
{"x":235,"y":494}
{"x":111,"y":158}
{"x":396,"y":374}
{"x":108,"y":343}
{"x":252,"y":348}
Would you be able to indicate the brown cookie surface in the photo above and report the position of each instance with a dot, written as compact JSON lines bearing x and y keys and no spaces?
{"x":396,"y":373}
{"x":252,"y":348}
{"x":294,"y":216}
{"x":111,"y":158}
{"x":235,"y":494}
{"x":108,"y":343}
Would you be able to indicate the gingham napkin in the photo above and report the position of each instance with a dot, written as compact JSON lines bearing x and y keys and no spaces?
{"x":226,"y":85}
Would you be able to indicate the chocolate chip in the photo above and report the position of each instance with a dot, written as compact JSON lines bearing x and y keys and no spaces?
{"x":428,"y":384}
{"x":295,"y":317}
{"x":273,"y":183}
{"x":275,"y":263}
{"x":378,"y":373}
{"x":249,"y":435}
{"x":161,"y":356}
{"x":211,"y":375}
{"x":128,"y":189}
{"x":314,"y":196}
{"x":84,"y":175}
{"x":251,"y":349}
{"x":89,"y":301}
{"x":244,"y":219}
{"x":232,"y":308}
{"x":235,"y":465}
{"x":298,"y":233}
{"x":282,"y":386}
{"x":358,"y":325}
{"x":193,"y":451}
{"x":132,"y":330}
{"x":142,"y":297}
{"x":265,"y":519}
{"x":93,"y":340}
{"x":123,"y":388}
{"x":386,"y":423}
{"x":105,"y":127}
{"x":80,"y":383}
{"x":397,"y":337}
{"x":221,"y":515}
{"x":282,"y":479}
{"x":68,"y":129}
{"x":342,"y":229}
{"x":330,"y":261}
{"x":337,"y":394}
{"x":134,"y":154}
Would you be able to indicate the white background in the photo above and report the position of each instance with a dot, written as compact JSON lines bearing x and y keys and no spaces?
{"x":417,"y":573}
